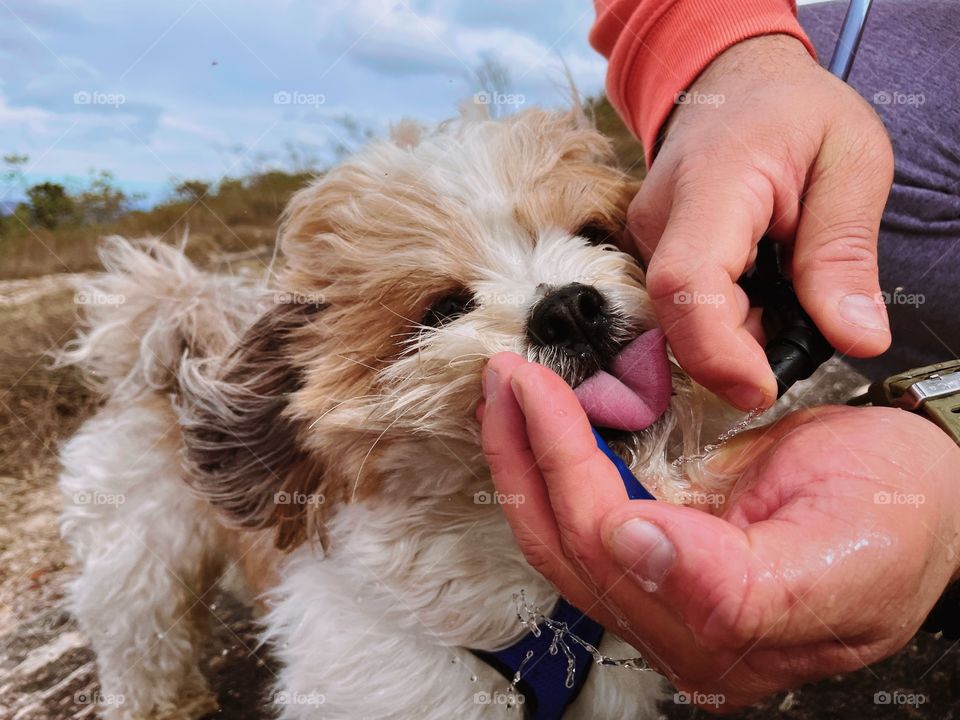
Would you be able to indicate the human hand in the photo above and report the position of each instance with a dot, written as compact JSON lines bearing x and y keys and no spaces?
{"x":839,"y":538}
{"x":766,"y":142}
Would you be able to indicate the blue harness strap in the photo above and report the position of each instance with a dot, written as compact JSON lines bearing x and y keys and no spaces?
{"x":544,"y":675}
{"x":635,"y":491}
{"x":543,"y":679}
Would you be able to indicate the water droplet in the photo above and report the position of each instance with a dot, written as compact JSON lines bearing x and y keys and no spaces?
{"x":532,"y":618}
{"x":725,"y":437}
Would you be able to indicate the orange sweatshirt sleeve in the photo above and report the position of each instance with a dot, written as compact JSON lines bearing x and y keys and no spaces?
{"x":657,"y":48}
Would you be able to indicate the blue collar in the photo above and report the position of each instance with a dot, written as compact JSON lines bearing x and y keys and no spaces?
{"x":544,"y":675}
{"x":543,"y":678}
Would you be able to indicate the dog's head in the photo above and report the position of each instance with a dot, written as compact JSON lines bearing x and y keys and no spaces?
{"x":406,"y":268}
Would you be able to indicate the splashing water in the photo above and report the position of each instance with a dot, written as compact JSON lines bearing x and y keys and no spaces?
{"x":533,"y":619}
{"x":725,"y":437}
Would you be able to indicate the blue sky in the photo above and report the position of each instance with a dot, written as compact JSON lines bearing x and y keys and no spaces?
{"x":154,"y":91}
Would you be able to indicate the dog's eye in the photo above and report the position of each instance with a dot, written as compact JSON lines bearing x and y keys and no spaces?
{"x":597,"y":233}
{"x":449,"y":308}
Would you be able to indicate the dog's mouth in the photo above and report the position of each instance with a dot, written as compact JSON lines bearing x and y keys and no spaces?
{"x":621,"y":385}
{"x":633,"y":391}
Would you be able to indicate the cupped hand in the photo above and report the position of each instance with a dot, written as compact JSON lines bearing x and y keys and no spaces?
{"x":765,"y":141}
{"x":839,"y":537}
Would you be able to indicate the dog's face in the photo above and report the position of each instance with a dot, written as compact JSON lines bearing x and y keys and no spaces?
{"x":433,"y":255}
{"x":408,"y":267}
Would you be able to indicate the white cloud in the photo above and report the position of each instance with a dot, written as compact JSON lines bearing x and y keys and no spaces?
{"x":185,"y":125}
{"x":199,"y":77}
{"x":17,"y":117}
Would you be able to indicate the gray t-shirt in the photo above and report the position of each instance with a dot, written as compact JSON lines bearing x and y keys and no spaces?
{"x":908,"y":69}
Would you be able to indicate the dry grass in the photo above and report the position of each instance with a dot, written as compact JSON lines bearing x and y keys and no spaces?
{"x":238,"y":216}
{"x":39,"y":405}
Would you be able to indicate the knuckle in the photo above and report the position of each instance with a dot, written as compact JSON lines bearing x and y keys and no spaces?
{"x":735,"y":616}
{"x":868,"y":149}
{"x":540,"y":556}
{"x":703,"y":158}
{"x":498,"y":459}
{"x":878,"y":147}
{"x":710,"y":364}
{"x":847,"y":244}
{"x":577,"y":544}
{"x":554,"y":462}
{"x":667,"y":276}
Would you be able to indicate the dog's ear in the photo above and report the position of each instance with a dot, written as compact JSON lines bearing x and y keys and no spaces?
{"x":244,"y":448}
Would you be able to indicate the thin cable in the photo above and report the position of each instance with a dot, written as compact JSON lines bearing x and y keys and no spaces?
{"x":849,"y":40}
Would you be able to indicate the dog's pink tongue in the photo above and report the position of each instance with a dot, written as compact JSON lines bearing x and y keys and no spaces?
{"x":636,"y":391}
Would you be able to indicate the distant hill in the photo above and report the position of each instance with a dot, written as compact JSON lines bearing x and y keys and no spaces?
{"x":233,"y":215}
{"x":8,"y":206}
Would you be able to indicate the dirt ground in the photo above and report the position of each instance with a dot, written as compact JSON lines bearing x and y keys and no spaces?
{"x":46,"y":670}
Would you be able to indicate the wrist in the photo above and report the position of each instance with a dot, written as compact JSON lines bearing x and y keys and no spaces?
{"x":657,"y":55}
{"x":756,"y":60}
{"x":773,"y":53}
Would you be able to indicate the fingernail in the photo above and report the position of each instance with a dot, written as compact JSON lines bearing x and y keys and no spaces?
{"x":517,"y":392}
{"x":863,"y":311}
{"x":490,"y":381}
{"x":644,"y":551}
{"x":746,"y":397}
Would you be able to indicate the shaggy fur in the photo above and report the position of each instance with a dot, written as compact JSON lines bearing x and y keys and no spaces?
{"x":320,"y":434}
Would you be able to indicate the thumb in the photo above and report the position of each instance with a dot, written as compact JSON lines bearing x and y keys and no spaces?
{"x":835,"y":257}
{"x":711,"y":572}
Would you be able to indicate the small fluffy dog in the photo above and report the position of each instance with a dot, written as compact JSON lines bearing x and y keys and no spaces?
{"x":320,"y":435}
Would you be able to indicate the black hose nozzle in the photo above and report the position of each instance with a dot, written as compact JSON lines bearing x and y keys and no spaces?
{"x":796,"y":347}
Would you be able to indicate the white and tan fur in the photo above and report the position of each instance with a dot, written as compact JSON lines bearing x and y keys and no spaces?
{"x":314,"y":435}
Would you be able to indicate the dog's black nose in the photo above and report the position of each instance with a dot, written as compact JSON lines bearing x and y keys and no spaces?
{"x":572,"y":317}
